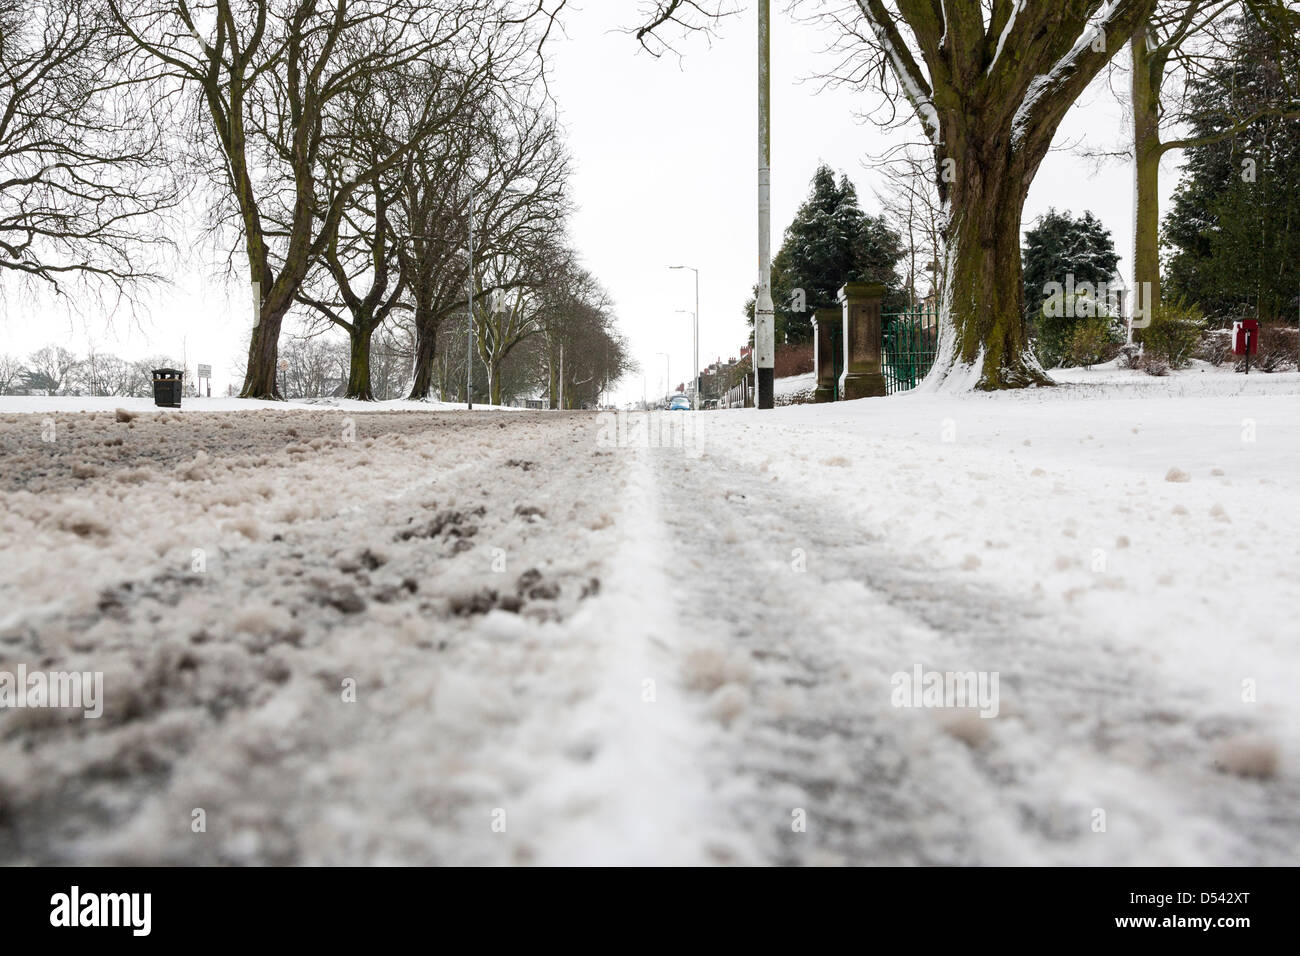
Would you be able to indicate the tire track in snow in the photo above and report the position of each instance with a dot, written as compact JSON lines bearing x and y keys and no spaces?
{"x":225,"y":695}
{"x":643,"y":798}
{"x":1081,"y":727}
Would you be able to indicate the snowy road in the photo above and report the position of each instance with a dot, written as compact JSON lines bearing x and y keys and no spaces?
{"x":803,"y":614}
{"x":504,"y":638}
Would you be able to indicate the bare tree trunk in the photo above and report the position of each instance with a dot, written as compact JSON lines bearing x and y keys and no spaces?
{"x":359,"y":366}
{"x":1147,"y":151}
{"x":985,"y":290}
{"x":552,"y":393}
{"x":263,"y":353}
{"x":426,"y":340}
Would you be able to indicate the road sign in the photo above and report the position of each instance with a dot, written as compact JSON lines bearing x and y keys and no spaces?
{"x":205,"y":371}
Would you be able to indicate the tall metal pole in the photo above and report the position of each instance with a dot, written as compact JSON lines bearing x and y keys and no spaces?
{"x":697,"y":339}
{"x":764,"y":321}
{"x":469,"y":324}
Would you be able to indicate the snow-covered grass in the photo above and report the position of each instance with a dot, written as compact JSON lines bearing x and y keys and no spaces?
{"x":1199,"y":379}
{"x":1145,"y":527}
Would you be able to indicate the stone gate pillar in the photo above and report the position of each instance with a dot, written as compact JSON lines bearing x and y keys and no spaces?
{"x":824,"y":353}
{"x":862,"y":376}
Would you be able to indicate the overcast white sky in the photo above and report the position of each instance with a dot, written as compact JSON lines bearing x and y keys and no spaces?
{"x":665,"y":154}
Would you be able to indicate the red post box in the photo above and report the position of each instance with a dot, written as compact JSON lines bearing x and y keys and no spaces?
{"x":1245,"y":337}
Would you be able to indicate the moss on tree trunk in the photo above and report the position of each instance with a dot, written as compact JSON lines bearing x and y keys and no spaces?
{"x":359,"y":364}
{"x":985,"y":294}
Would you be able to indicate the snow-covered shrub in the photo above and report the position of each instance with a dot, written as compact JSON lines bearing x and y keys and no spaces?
{"x":803,"y":396}
{"x":1277,"y":348}
{"x":1174,"y":333}
{"x":1057,"y":325}
{"x":1130,"y":356}
{"x":1155,"y":366}
{"x":1091,"y":343}
{"x":1215,"y":347}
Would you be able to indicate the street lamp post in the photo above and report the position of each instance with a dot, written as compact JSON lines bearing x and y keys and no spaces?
{"x":764,"y":318}
{"x":696,"y":315}
{"x":469,"y":325}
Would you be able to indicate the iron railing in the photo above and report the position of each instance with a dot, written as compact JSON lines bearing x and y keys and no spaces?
{"x":909,"y":344}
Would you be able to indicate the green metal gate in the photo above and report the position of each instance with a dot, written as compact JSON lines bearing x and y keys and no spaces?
{"x":909,"y":343}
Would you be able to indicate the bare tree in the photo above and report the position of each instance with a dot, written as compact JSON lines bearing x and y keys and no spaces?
{"x":667,"y":18}
{"x":361,"y":250}
{"x":434,"y":215}
{"x":48,"y":369}
{"x":101,"y":373}
{"x":585,"y":353}
{"x":911,"y":201}
{"x":11,"y":373}
{"x":506,"y":318}
{"x":316,"y":366}
{"x":267,"y":73}
{"x":366,"y":274}
{"x":517,"y":170}
{"x":82,"y":166}
{"x":390,"y":363}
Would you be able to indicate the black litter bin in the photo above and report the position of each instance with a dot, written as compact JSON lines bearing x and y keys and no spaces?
{"x":167,"y":387}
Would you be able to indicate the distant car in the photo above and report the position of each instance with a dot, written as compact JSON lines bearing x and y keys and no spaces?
{"x":679,"y":403}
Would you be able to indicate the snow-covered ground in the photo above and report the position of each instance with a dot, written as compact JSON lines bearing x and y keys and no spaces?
{"x":33,"y":404}
{"x":566,"y":646}
{"x":1123,"y":556}
{"x":795,"y":385}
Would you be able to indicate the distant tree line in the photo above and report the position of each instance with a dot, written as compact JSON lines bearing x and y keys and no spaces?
{"x":341,"y":153}
{"x":53,"y":370}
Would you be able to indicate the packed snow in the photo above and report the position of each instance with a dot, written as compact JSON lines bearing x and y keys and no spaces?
{"x":32,"y":404}
{"x":491,"y":638}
